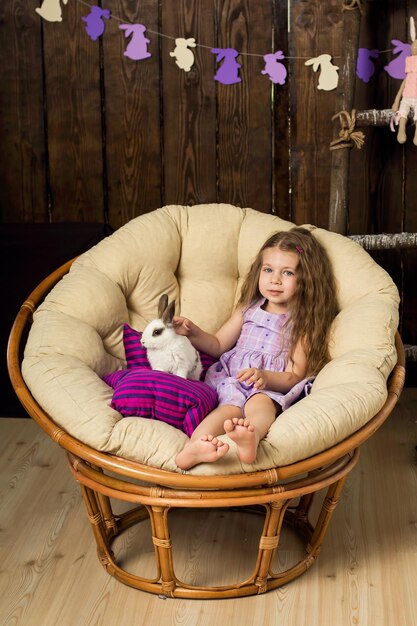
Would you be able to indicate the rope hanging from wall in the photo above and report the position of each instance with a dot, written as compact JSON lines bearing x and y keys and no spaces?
{"x":348,"y":136}
{"x":351,"y":5}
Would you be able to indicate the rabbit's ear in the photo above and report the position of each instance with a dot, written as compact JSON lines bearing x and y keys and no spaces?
{"x":314,"y":62}
{"x":412,"y":29}
{"x":168,"y":314}
{"x":162,"y":305}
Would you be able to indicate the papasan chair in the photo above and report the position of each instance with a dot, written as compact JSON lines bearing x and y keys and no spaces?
{"x":84,"y":339}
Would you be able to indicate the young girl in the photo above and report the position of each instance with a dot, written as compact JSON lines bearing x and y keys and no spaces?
{"x":276,"y":337}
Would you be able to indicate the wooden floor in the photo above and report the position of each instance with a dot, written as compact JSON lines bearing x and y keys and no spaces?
{"x":366,"y":574}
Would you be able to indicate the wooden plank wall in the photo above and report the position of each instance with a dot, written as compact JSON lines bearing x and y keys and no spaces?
{"x":87,"y":134}
{"x":383,"y":191}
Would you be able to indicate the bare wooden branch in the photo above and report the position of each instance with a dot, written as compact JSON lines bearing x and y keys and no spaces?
{"x":410,"y":352}
{"x":375,"y":117}
{"x":386,"y":241}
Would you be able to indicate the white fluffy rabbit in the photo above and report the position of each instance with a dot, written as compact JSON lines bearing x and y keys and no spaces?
{"x":167,"y":351}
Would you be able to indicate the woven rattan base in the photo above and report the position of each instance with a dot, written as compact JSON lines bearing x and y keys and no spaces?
{"x":154,"y":502}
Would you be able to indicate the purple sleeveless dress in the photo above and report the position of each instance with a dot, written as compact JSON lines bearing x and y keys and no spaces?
{"x":259,"y":345}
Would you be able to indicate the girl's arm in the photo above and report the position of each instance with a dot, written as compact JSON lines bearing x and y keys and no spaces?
{"x":278,"y":381}
{"x":216,"y":344}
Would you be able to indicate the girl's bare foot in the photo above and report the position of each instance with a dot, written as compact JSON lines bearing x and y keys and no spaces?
{"x":244,"y":435}
{"x":207,"y":449}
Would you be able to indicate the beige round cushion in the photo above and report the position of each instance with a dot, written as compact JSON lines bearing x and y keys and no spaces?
{"x":199,"y":255}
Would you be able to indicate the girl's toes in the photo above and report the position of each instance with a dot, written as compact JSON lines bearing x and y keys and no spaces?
{"x":228,"y":426}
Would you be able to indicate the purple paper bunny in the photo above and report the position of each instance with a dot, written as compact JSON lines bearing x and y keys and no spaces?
{"x":365,"y":67}
{"x":94,"y":21}
{"x":228,"y":73}
{"x":137,"y":48}
{"x":276,"y":71}
{"x":396,"y":67}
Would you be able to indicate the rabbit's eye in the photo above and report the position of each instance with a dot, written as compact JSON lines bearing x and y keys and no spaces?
{"x":157,"y":331}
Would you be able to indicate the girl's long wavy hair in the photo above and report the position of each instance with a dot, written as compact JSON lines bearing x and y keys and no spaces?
{"x":313,"y":306}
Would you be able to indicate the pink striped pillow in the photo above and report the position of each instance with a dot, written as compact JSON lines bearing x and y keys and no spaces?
{"x":136,"y":353}
{"x":157,"y":395}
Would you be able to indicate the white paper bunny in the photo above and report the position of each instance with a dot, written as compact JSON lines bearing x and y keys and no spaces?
{"x":184,"y":57}
{"x":329,"y":77}
{"x":50,"y":10}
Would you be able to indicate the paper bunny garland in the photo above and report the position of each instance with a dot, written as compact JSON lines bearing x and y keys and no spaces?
{"x":228,"y":70}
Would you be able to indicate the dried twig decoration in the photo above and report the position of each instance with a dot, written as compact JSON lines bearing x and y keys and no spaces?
{"x":348,"y":136}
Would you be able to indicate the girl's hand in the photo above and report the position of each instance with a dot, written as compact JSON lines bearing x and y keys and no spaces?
{"x":183,"y":326}
{"x":253,"y":376}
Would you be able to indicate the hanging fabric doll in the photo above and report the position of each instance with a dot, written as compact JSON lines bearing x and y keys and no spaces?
{"x":406,"y":98}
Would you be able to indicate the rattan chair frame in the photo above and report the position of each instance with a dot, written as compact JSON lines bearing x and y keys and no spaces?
{"x":282,"y":493}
